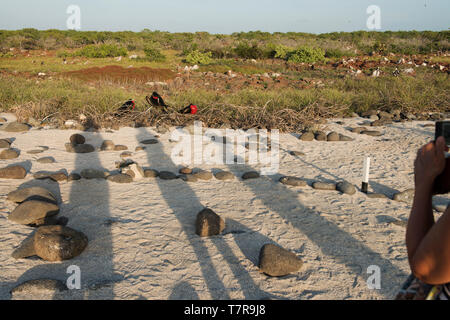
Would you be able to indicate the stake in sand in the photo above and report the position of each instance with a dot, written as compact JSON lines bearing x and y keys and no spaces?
{"x":366,"y":170}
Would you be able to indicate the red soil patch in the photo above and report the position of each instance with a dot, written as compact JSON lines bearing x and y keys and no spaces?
{"x":120,"y":74}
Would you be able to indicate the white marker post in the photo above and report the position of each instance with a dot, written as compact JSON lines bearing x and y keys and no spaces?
{"x":365,"y":184}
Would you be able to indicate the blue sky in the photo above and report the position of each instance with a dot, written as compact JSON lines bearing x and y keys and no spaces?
{"x":315,"y":16}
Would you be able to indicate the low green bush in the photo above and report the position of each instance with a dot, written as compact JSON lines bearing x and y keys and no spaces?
{"x":153,"y":54}
{"x":197,"y":57}
{"x":306,"y":55}
{"x":102,"y":51}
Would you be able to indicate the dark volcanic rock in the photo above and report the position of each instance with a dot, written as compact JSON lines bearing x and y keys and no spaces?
{"x":77,"y":139}
{"x":166,"y":175}
{"x":277,"y":262}
{"x":208,"y":223}
{"x":250,"y":175}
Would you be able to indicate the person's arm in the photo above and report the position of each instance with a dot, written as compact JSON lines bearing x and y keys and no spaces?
{"x":428,"y":243}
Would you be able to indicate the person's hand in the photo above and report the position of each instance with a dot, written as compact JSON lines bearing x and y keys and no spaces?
{"x":430,"y":162}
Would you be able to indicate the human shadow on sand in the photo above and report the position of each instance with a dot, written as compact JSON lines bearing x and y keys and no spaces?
{"x":332,"y":240}
{"x":87,"y":209}
{"x":186,"y":215}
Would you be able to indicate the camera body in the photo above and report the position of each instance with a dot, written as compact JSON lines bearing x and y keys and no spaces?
{"x":442,"y":183}
{"x":443,"y":130}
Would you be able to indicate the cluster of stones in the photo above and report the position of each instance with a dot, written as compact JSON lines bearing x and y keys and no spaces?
{"x":274,"y":260}
{"x":396,"y":115}
{"x":52,"y":240}
{"x":322,"y":136}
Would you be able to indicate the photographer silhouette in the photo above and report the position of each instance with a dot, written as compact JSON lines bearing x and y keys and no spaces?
{"x":427,"y":240}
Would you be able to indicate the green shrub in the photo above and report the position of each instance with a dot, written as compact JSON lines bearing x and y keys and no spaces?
{"x":197,"y":57}
{"x":245,"y":51}
{"x":154,"y":54}
{"x":102,"y":51}
{"x":338,"y":53}
{"x":278,"y":51}
{"x":306,"y":54}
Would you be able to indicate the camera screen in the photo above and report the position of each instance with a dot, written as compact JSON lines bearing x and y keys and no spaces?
{"x":446,"y":132}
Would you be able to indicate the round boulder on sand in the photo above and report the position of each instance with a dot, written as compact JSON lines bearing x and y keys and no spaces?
{"x":73,"y":177}
{"x":13,"y":172}
{"x":320,"y":136}
{"x":39,"y":289}
{"x":30,"y":212}
{"x":55,"y":176}
{"x":77,"y":139}
{"x":250,"y":175}
{"x":293,"y":181}
{"x":107,"y":145}
{"x":9,"y":154}
{"x":120,"y":178}
{"x":224,"y":175}
{"x":32,"y":193}
{"x":79,"y":148}
{"x":405,"y":196}
{"x":185,"y":170}
{"x":93,"y":174}
{"x":277,"y":262}
{"x":167,"y":175}
{"x":333,"y":137}
{"x":324,"y":185}
{"x":126,"y":154}
{"x":208,"y":223}
{"x":5,"y":143}
{"x":188,"y":177}
{"x":346,"y":188}
{"x":150,"y":173}
{"x":58,"y":243}
{"x":307,"y":136}
{"x":46,"y":160}
{"x":203,"y":175}
{"x":345,"y":138}
{"x":120,"y":148}
{"x":16,"y":127}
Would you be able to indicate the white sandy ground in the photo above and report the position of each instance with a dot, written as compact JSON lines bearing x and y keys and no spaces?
{"x":142,"y":241}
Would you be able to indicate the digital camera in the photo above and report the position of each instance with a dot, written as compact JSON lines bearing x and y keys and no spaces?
{"x":443,"y":130}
